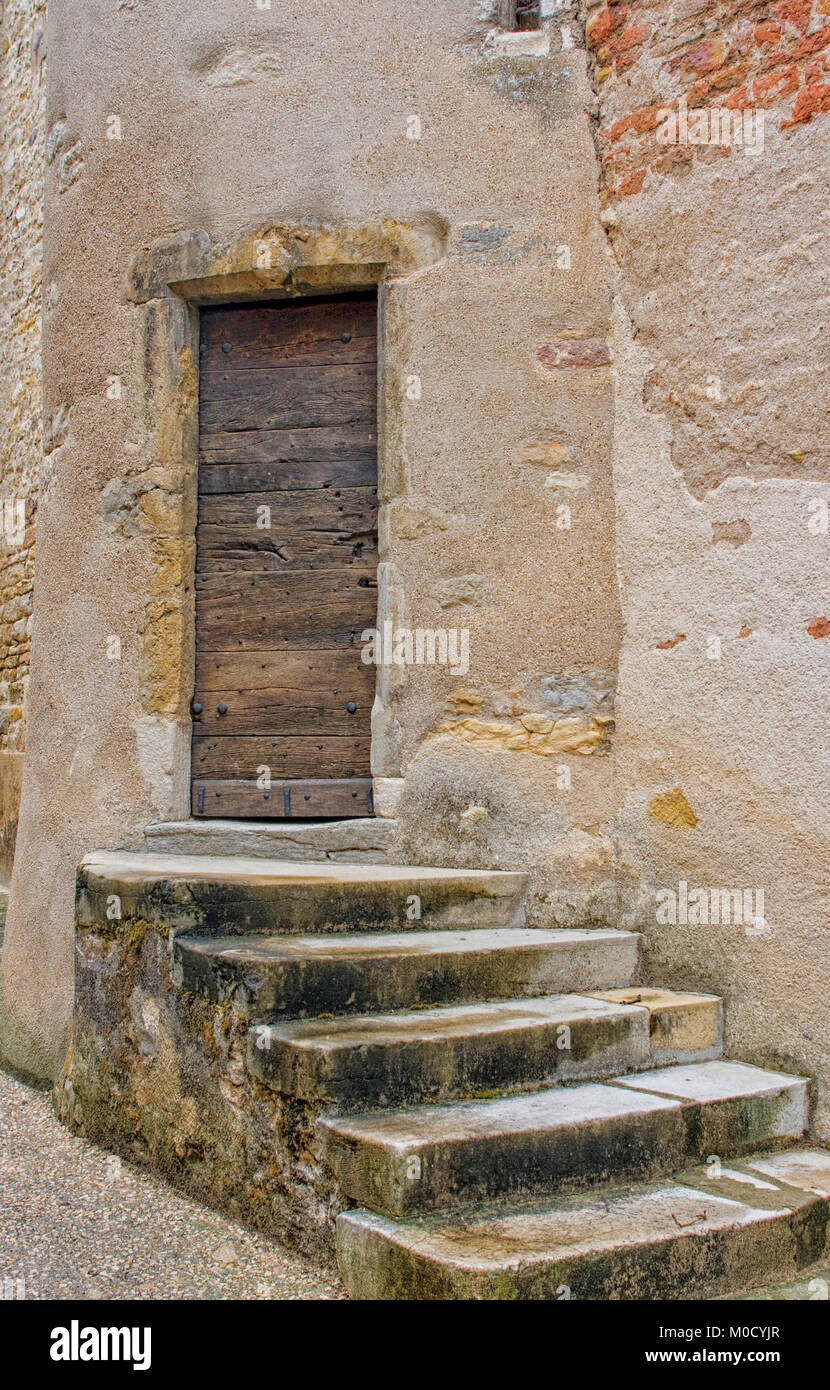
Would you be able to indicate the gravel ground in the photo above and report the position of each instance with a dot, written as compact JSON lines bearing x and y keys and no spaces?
{"x":76,"y":1222}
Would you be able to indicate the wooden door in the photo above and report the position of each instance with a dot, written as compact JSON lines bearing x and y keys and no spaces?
{"x":286,"y":558}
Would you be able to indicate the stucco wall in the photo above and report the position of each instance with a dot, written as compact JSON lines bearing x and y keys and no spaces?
{"x":234,"y":120}
{"x":612,"y":457}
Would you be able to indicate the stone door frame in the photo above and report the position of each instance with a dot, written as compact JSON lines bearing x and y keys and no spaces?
{"x":168,"y":282}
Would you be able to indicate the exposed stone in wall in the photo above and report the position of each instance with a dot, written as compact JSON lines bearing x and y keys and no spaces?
{"x":532,"y":733}
{"x":737,"y":55}
{"x":731,"y":532}
{"x":240,"y":66}
{"x":720,"y":232}
{"x":579,"y":718}
{"x":573,"y":352}
{"x":464,"y":590}
{"x":23,"y":48}
{"x":672,"y":808}
{"x":64,"y":147}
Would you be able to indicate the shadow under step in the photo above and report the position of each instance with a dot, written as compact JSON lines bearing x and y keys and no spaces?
{"x":338,"y":974}
{"x":698,"y":1236}
{"x":437,"y":1054}
{"x":636,"y":1128}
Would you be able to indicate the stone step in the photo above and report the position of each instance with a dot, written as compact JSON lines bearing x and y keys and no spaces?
{"x":680,"y":1024}
{"x":433,"y":1156}
{"x":441,"y":1053}
{"x":234,"y":896}
{"x":699,"y":1236}
{"x":304,"y":975}
{"x":363,"y":840}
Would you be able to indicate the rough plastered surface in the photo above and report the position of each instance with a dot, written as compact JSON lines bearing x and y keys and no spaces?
{"x":602,"y":452}
{"x":495,"y":293}
{"x":721,"y":473}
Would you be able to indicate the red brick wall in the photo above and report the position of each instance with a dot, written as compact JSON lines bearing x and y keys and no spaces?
{"x":738,"y":54}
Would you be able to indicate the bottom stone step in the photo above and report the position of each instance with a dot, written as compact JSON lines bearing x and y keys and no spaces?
{"x":707,"y":1233}
{"x":812,"y":1285}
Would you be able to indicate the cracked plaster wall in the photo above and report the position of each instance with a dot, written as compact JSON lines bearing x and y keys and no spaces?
{"x":720,"y":473}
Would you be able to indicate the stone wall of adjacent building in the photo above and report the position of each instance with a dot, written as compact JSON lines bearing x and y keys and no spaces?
{"x":740,"y":56}
{"x":22,"y":133}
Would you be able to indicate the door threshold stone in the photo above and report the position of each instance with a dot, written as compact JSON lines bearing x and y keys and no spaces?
{"x":363,"y":840}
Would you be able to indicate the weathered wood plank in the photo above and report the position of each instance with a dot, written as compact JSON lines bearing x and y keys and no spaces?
{"x":236,"y":554}
{"x":358,"y":471}
{"x":234,"y":548}
{"x":308,"y":799}
{"x":336,"y":697}
{"x":306,"y":528}
{"x":300,"y":755}
{"x":300,"y":608}
{"x":276,"y":459}
{"x":313,"y":668}
{"x":303,"y":332}
{"x":286,"y":712}
{"x":288,"y":398}
{"x":294,"y":509}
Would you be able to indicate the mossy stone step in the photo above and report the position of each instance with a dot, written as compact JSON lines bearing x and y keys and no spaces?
{"x":439,"y":1156}
{"x":441,"y":1053}
{"x":234,"y":896}
{"x":699,"y":1236}
{"x":352,"y":973}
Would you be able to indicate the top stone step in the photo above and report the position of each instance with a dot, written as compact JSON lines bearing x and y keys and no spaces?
{"x":235,"y":894}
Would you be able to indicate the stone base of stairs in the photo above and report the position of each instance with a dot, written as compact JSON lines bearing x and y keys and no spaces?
{"x":482,"y":1109}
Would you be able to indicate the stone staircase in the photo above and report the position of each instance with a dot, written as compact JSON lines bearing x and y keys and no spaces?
{"x":495,"y":1111}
